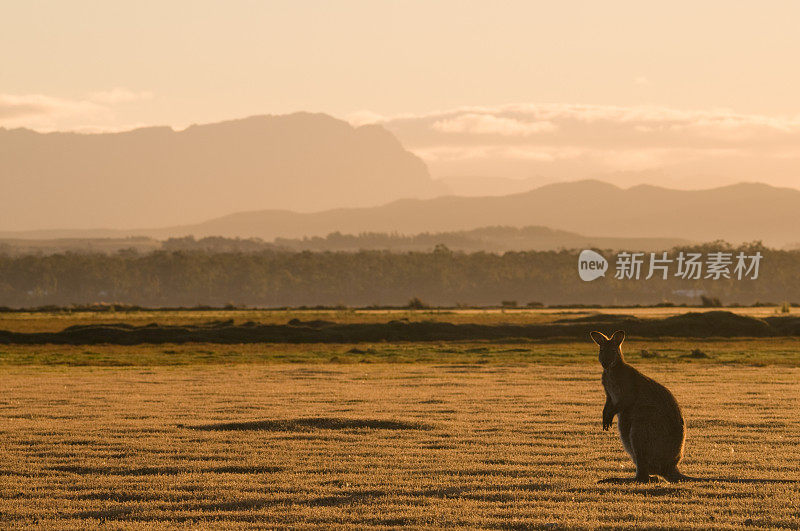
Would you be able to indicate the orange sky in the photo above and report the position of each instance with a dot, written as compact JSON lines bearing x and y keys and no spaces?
{"x":709,"y":76}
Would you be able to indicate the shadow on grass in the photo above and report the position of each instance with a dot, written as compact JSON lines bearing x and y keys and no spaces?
{"x":334,"y":500}
{"x":228,"y":510}
{"x":754,"y":481}
{"x":305,"y":424}
{"x":651,"y":489}
{"x":508,"y":493}
{"x":14,"y":473}
{"x":161,"y":470}
{"x":656,"y":480}
{"x":215,"y":511}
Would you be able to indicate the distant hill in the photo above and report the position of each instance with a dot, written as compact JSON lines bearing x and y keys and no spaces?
{"x":737,"y":213}
{"x":479,"y":186}
{"x":487,"y":239}
{"x":16,"y":247}
{"x":156,"y":176}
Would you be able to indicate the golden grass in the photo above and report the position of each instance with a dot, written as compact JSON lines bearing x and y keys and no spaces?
{"x":741,"y":351}
{"x":383,"y":445}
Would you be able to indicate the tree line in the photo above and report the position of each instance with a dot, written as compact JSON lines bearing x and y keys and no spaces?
{"x":271,"y":278}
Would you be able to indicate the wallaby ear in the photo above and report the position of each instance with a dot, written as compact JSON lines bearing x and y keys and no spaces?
{"x":618,"y":338}
{"x":599,"y":338}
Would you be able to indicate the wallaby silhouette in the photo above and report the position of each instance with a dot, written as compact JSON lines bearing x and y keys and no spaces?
{"x":650,"y":422}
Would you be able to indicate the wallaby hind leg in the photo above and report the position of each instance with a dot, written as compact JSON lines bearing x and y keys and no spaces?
{"x":640,"y":449}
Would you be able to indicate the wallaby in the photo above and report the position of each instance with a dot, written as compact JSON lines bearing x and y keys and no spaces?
{"x":650,"y":422}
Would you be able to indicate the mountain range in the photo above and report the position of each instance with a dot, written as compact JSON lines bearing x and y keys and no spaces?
{"x":306,"y":175}
{"x":157,"y":176}
{"x":737,"y":213}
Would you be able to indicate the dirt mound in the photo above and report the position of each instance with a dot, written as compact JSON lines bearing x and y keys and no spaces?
{"x":695,"y":324}
{"x":707,"y":324}
{"x":316,"y":323}
{"x":600,"y":318}
{"x":785,"y":326}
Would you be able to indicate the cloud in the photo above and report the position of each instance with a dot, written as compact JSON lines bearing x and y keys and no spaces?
{"x":365,"y":117}
{"x":48,"y":113}
{"x":105,"y":128}
{"x":19,"y":107}
{"x":488,"y":124}
{"x":455,"y":153}
{"x":581,"y":141}
{"x":593,"y":126}
{"x":119,"y":95}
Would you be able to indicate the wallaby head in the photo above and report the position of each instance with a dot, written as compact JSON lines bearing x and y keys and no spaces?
{"x":610,"y":352}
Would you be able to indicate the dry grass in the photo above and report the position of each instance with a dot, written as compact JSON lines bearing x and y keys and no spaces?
{"x":741,"y":351}
{"x":496,"y":445}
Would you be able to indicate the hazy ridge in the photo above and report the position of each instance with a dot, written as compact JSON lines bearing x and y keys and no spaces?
{"x":487,"y":239}
{"x":156,"y":176}
{"x":737,"y":213}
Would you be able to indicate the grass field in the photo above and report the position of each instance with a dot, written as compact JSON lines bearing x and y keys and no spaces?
{"x":778,"y":351}
{"x":497,"y":445}
{"x":494,"y":434}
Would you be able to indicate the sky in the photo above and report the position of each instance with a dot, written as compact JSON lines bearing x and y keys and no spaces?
{"x":610,"y":88}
